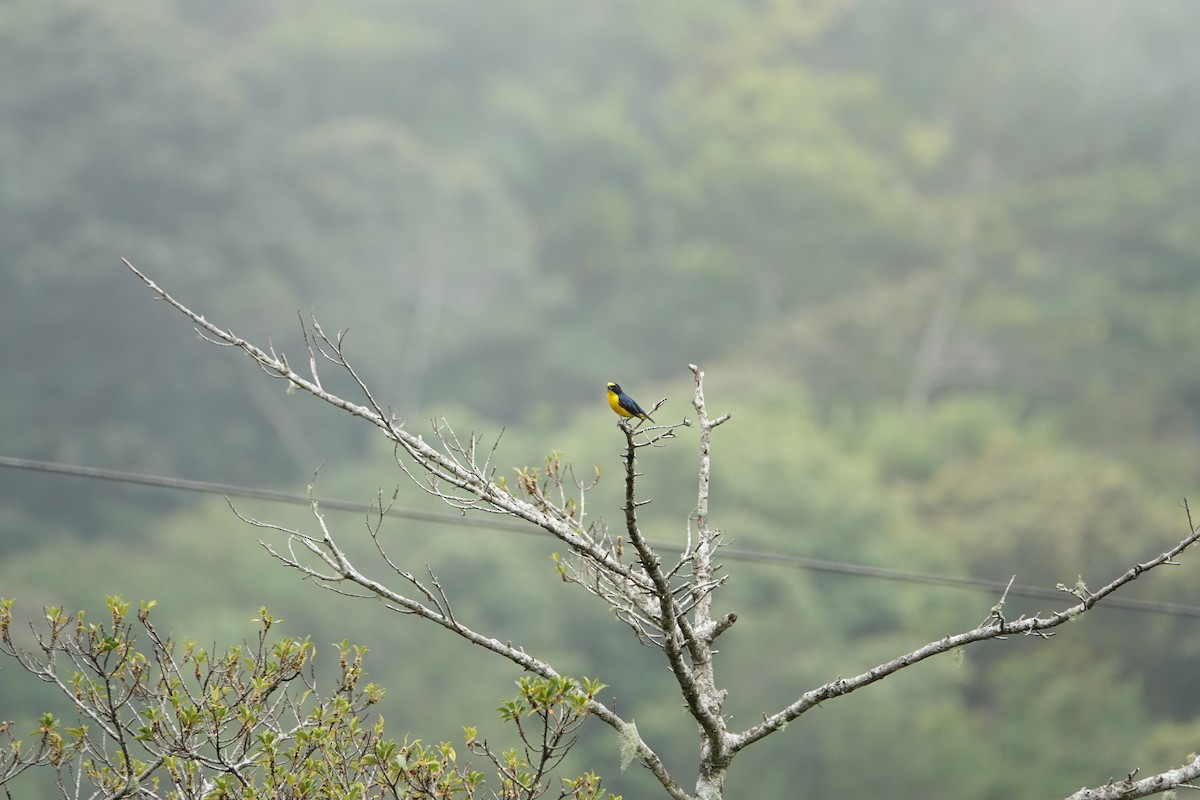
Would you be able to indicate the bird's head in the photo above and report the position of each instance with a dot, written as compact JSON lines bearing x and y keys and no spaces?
{"x":612,"y":387}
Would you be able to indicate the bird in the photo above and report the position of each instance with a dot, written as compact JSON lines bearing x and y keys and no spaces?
{"x":623,"y":404}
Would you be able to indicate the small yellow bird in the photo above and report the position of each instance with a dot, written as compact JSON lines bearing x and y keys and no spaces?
{"x":623,"y":404}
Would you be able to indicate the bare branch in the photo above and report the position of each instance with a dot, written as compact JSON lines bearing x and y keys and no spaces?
{"x":468,"y":477}
{"x":995,"y":627}
{"x":1127,"y":788}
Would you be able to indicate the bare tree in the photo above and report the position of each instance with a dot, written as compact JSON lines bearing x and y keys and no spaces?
{"x":667,"y":605}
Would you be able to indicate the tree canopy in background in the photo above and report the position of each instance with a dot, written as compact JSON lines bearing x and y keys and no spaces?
{"x":939,"y":258}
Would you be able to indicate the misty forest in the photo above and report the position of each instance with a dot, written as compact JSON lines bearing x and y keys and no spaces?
{"x":939,"y":263}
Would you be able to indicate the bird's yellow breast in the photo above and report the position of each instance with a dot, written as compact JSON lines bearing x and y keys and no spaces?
{"x":615,"y":403}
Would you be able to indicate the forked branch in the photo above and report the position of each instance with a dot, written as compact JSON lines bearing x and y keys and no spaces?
{"x":455,"y":465}
{"x":994,"y":627}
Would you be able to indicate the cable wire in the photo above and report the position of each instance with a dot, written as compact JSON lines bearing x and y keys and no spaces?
{"x":733,"y":554}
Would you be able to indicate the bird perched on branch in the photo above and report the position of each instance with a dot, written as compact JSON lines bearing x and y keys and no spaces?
{"x":623,"y":404}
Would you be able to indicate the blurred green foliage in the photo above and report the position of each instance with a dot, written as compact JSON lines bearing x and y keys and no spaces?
{"x":938,"y":259}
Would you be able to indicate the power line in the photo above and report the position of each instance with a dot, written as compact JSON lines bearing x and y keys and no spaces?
{"x":733,"y":554}
{"x":995,"y":587}
{"x":228,"y":490}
